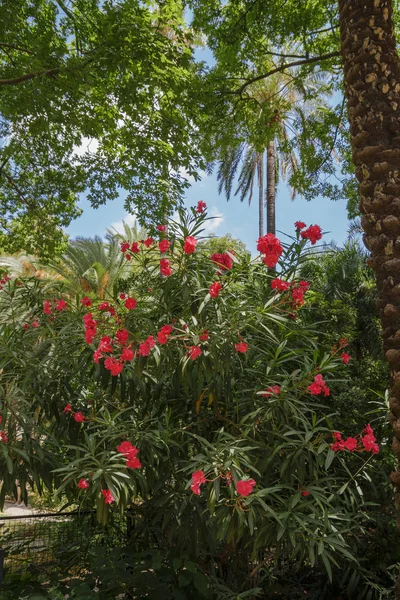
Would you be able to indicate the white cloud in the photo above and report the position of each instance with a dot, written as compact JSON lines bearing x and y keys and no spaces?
{"x":118,"y":226}
{"x":216,"y":221}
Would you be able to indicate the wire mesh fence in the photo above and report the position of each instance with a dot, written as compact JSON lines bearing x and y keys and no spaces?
{"x":54,"y":541}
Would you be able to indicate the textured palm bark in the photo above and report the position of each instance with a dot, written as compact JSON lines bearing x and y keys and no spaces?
{"x":372,"y":86}
{"x":271,"y":188}
{"x":261,"y":196}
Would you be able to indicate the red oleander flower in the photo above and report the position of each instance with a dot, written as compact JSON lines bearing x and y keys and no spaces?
{"x":128,"y":256}
{"x":222,"y":260}
{"x":297,"y":295}
{"x":108,"y":497}
{"x":105,"y":344}
{"x":195,"y":352}
{"x":3,"y":437}
{"x":368,"y":441}
{"x":343,"y":342}
{"x":113,"y":365}
{"x":47,"y":307}
{"x":25,"y":326}
{"x":189,"y":245}
{"x":313,"y":233}
{"x":35,"y":323}
{"x":273,"y":390}
{"x":163,"y":246}
{"x":86,"y":301}
{"x":280,"y":285}
{"x":79,"y":417}
{"x":165,"y":267}
{"x":148,"y":242}
{"x":68,"y":408}
{"x":204,"y":336}
{"x":271,"y":247}
{"x":201,"y":206}
{"x":161,"y":227}
{"x":61,"y":304}
{"x":300,"y":225}
{"x":135,"y":248}
{"x":368,"y":429}
{"x":97,"y":355}
{"x":319,"y":386}
{"x":244,"y":487}
{"x":130,"y":303}
{"x":122,"y":336}
{"x":133,"y":463}
{"x":124,"y":247}
{"x":164,"y":333}
{"x":215,"y":289}
{"x":127,"y":449}
{"x":305,"y":493}
{"x":104,"y":306}
{"x":345,"y":357}
{"x":338,"y":446}
{"x":127,"y":354}
{"x":350,"y":444}
{"x":241,"y":347}
{"x":198,"y":479}
{"x":228,"y":478}
{"x":122,"y":296}
{"x":83,"y":484}
{"x":337,"y":435}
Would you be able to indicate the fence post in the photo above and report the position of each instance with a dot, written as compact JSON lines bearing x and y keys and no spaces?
{"x":2,"y":553}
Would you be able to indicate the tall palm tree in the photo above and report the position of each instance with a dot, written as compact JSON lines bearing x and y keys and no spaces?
{"x":283,"y":98}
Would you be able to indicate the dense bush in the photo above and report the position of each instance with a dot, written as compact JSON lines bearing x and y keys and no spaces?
{"x":195,"y":397}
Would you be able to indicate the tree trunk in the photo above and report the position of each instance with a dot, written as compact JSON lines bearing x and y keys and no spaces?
{"x":372,"y":87}
{"x":271,"y":188}
{"x":261,"y":196}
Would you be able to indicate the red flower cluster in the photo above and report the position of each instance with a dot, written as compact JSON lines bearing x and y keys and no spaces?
{"x":130,"y":452}
{"x":195,"y":352}
{"x":271,"y":247}
{"x":273,"y":390}
{"x":90,"y":326}
{"x":189,"y":245}
{"x":215,"y":289}
{"x":297,"y":292}
{"x":241,"y":347}
{"x":362,"y":442}
{"x":59,"y":306}
{"x":108,"y":497}
{"x":222,"y":260}
{"x":128,"y":249}
{"x":163,"y":246}
{"x":204,"y":336}
{"x":86,"y":301}
{"x":244,"y":487}
{"x":198,"y":479}
{"x":300,"y":225}
{"x":83,"y":484}
{"x":161,"y":227}
{"x":130,"y":303}
{"x":313,"y":233}
{"x":319,"y":386}
{"x":164,"y":333}
{"x":280,"y":285}
{"x":165,"y":267}
{"x":148,"y":242}
{"x":201,"y":206}
{"x":3,"y":437}
{"x":345,"y":358}
{"x":146,"y":346}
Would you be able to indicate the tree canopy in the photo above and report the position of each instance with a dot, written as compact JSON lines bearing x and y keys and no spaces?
{"x":96,"y":98}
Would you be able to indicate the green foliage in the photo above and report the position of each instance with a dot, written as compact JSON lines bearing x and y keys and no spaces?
{"x":215,"y":414}
{"x":97,"y":98}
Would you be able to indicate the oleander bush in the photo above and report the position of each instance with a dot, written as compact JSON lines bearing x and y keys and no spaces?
{"x":197,"y":399}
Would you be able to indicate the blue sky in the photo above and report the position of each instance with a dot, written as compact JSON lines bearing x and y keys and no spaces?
{"x":235,"y":217}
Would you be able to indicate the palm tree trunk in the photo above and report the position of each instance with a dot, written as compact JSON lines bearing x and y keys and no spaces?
{"x":271,"y":188}
{"x":261,"y":196}
{"x":372,"y":86}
